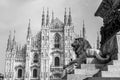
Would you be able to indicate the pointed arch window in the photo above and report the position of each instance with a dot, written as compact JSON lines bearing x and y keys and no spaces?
{"x":57,"y":40}
{"x":36,"y":58}
{"x":20,"y":73}
{"x":35,"y":73}
{"x":57,"y":61}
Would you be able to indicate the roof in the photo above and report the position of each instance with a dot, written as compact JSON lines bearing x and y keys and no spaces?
{"x":57,"y":23}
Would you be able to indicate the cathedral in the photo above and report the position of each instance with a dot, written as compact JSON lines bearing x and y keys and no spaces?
{"x":43,"y":55}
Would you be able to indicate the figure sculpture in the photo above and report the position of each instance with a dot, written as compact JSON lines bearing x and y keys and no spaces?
{"x":109,"y":10}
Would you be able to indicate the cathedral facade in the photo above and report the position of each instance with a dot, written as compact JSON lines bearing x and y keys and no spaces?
{"x":44,"y":55}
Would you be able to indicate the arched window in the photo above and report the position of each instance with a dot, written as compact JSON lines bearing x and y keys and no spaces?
{"x":19,"y":73}
{"x":36,"y":58}
{"x":35,"y":73}
{"x":57,"y":61}
{"x":57,"y":40}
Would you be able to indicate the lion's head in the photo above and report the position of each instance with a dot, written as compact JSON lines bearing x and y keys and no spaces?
{"x":80,"y":45}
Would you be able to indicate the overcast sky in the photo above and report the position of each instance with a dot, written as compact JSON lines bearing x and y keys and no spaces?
{"x":14,"y":14}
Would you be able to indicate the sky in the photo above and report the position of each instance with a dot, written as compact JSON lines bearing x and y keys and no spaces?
{"x":15,"y":15}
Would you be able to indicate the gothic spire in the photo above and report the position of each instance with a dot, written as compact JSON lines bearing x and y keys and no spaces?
{"x":84,"y":31}
{"x":43,"y":18}
{"x":47,"y":17}
{"x":98,"y":41}
{"x":29,"y":30}
{"x":14,"y":42}
{"x":14,"y":36}
{"x":65,"y":17}
{"x":9,"y":42}
{"x":69,"y":17}
{"x":52,"y":17}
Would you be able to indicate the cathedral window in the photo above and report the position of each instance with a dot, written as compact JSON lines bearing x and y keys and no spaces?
{"x":19,"y":73}
{"x":57,"y":61}
{"x":57,"y":40}
{"x":35,"y":73}
{"x":36,"y":58}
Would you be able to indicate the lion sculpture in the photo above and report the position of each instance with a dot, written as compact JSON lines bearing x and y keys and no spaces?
{"x":82,"y":49}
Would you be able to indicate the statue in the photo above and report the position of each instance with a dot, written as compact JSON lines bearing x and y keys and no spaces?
{"x":107,"y":7}
{"x":83,"y":50}
{"x":109,"y":10}
{"x":79,"y":47}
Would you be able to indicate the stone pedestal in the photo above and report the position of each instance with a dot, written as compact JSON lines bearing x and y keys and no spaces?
{"x":113,"y":70}
{"x":87,"y":70}
{"x":116,"y":62}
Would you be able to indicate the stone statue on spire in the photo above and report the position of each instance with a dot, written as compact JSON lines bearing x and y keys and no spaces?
{"x":43,"y":18}
{"x":29,"y":30}
{"x":52,"y":17}
{"x":9,"y":43}
{"x":84,"y":31}
{"x":13,"y":41}
{"x":69,"y":17}
{"x":65,"y":17}
{"x":47,"y":17}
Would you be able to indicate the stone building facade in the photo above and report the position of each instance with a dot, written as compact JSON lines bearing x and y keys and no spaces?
{"x":44,"y":55}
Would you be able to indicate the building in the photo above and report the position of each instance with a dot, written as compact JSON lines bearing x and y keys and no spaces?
{"x":43,"y":55}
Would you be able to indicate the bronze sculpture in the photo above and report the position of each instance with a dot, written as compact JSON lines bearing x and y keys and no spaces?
{"x":109,"y":10}
{"x":83,"y":49}
{"x":79,"y":47}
